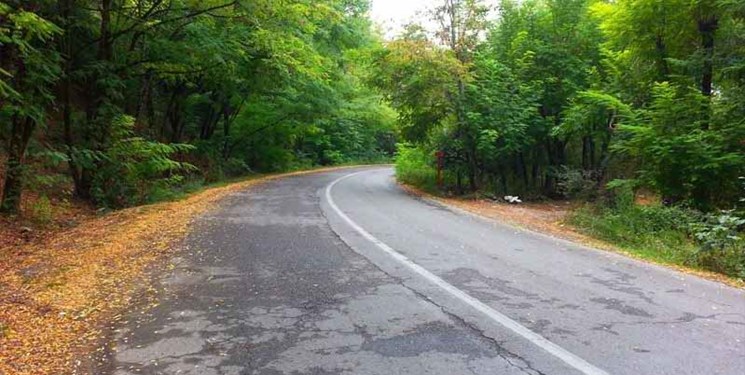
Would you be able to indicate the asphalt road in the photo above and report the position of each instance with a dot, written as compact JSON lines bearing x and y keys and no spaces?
{"x":344,"y":273}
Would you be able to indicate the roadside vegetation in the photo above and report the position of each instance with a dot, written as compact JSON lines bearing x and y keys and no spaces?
{"x":592,"y":101}
{"x":121,"y":103}
{"x":61,"y":291}
{"x":108,"y":105}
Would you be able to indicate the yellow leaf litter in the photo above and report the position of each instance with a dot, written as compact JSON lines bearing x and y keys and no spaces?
{"x":56,"y":294}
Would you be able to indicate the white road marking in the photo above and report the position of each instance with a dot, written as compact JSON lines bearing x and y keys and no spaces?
{"x":557,"y":351}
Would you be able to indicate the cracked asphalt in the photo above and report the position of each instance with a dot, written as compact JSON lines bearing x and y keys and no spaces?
{"x":274,"y":281}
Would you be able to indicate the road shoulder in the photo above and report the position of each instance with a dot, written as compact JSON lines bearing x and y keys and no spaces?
{"x":549,"y":221}
{"x":58,"y":293}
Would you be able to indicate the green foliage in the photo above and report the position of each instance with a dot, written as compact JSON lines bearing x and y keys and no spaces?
{"x":622,"y":193}
{"x":561,"y":90}
{"x":41,"y":210}
{"x":719,"y":231}
{"x":576,"y":183}
{"x":680,"y":158}
{"x":257,"y":85}
{"x":497,"y":101}
{"x":415,"y":165}
{"x":669,"y":234}
{"x":418,"y":78}
{"x":555,"y":98}
{"x":655,"y":232}
{"x":132,"y":168}
{"x":29,"y":68}
{"x":722,"y":247}
{"x":22,"y":37}
{"x":500,"y":113}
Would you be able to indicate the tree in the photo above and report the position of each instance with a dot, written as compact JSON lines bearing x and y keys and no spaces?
{"x":678,"y":84}
{"x":218,"y":74}
{"x":417,"y":77}
{"x":550,"y":50}
{"x":462,"y":24}
{"x":27,"y":70}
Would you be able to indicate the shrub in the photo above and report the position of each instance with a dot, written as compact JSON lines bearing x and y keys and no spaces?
{"x":332,"y":157}
{"x":415,"y":166}
{"x":41,"y":210}
{"x":576,"y":184}
{"x":637,"y":229}
{"x":657,"y":232}
{"x":681,"y":154}
{"x":721,"y":244}
{"x":672,"y":234}
{"x":234,"y":167}
{"x":132,"y":168}
{"x":621,"y":194}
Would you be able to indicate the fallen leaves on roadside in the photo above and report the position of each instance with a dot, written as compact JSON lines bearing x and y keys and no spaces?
{"x":56,"y":292}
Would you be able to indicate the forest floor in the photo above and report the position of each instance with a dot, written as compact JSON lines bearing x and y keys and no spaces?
{"x":62,"y":281}
{"x":550,"y":217}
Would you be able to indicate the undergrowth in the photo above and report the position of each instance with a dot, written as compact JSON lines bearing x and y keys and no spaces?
{"x":676,"y":235}
{"x":638,"y":230}
{"x":415,"y":166}
{"x":668,"y":234}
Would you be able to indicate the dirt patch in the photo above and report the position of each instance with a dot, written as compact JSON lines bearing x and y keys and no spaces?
{"x":551,"y":218}
{"x":58,"y":287}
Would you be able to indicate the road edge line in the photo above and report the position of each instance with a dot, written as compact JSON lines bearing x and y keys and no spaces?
{"x":557,"y":351}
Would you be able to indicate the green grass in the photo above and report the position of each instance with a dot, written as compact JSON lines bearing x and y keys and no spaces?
{"x":658,"y":233}
{"x":636,"y":231}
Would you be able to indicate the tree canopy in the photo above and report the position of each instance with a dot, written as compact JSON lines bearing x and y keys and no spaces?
{"x":131,"y":97}
{"x":643,"y":91}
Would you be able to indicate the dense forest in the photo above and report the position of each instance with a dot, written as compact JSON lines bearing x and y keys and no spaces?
{"x":585,"y":99}
{"x":645,"y":90}
{"x":124,"y":102}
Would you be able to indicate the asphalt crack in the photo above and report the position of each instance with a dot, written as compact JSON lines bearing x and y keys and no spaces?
{"x":503,"y":353}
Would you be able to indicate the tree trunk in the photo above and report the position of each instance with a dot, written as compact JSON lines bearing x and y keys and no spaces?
{"x":65,"y":48}
{"x":548,"y":183}
{"x":523,"y":170}
{"x":95,"y":134}
{"x":593,"y":163}
{"x":211,"y":119}
{"x":105,"y":47}
{"x":205,"y":129}
{"x":145,"y":93}
{"x":603,"y":161}
{"x":707,"y":28}
{"x":585,"y":153}
{"x":21,"y":131}
{"x":227,"y":118}
{"x":662,"y":55}
{"x":172,"y":128}
{"x":556,"y":158}
{"x":503,"y":177}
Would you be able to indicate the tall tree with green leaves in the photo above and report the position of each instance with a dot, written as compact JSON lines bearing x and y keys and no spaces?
{"x":462,"y":25}
{"x":218,"y":75}
{"x":28,"y":70}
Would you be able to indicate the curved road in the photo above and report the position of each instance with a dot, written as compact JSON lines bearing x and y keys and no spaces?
{"x":344,"y":273}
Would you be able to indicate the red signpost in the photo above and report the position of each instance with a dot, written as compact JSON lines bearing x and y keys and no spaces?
{"x":440,"y":155}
